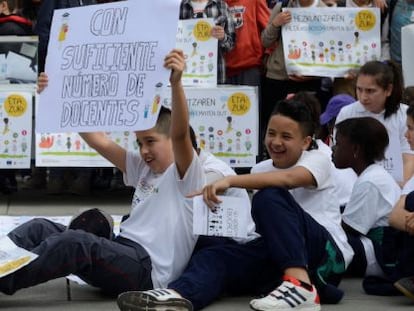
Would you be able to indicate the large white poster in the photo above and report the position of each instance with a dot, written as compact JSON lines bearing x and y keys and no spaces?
{"x":225,"y":120}
{"x":328,"y":42}
{"x":15,"y":125}
{"x":200,"y":51}
{"x":105,"y":66}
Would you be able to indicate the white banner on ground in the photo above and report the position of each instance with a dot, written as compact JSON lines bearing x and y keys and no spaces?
{"x":105,"y":66}
{"x":328,"y":42}
{"x":200,"y":51}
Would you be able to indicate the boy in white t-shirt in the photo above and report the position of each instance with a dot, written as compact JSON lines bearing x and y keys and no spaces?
{"x":156,"y":241}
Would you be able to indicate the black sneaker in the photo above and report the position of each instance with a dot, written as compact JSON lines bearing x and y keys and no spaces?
{"x":406,"y":286}
{"x":94,"y":221}
{"x":153,"y":300}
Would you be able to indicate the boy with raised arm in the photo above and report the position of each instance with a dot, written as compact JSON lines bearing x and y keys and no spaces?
{"x":156,"y":241}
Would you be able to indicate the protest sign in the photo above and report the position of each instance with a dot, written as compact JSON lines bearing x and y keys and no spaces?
{"x":230,"y":219}
{"x":70,"y":150}
{"x":225,"y":120}
{"x":16,"y":125}
{"x":328,"y":42}
{"x":407,"y":50}
{"x":200,"y":51}
{"x":105,"y":66}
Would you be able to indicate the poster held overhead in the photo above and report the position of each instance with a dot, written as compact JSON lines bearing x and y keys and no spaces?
{"x":104,"y":75}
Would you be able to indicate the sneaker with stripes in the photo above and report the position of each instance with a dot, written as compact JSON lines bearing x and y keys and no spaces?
{"x":290,"y":295}
{"x":153,"y":300}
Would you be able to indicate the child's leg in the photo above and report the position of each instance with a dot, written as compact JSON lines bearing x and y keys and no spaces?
{"x":30,"y":234}
{"x":109,"y":265}
{"x":231,"y":268}
{"x":298,"y":245}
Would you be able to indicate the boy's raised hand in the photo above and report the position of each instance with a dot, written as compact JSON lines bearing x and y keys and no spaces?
{"x":42,"y":82}
{"x":176,"y":62}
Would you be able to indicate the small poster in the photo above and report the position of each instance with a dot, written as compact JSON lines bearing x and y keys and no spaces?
{"x":70,"y":150}
{"x":200,"y":51}
{"x":15,"y":126}
{"x":328,"y":42}
{"x":230,"y":218}
{"x":225,"y":120}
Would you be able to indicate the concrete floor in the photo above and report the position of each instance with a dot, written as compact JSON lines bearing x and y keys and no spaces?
{"x":54,"y":294}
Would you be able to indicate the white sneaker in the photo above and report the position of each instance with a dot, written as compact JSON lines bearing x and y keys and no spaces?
{"x":153,"y":300}
{"x":290,"y":295}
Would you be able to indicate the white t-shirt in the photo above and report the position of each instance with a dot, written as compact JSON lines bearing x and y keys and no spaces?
{"x":408,"y":187}
{"x":396,"y":128}
{"x":161,"y":215}
{"x":373,"y":197}
{"x":319,"y":202}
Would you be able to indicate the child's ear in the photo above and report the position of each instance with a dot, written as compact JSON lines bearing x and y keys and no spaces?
{"x":307,"y":143}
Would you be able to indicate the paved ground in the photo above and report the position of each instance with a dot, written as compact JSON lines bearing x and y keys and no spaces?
{"x":54,"y":295}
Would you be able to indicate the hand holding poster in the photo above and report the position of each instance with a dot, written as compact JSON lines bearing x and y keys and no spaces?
{"x":105,"y":66}
{"x":200,"y":51}
{"x":328,"y":42}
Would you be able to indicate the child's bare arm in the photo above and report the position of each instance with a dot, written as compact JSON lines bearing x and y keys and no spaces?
{"x":106,"y":148}
{"x":180,"y":134}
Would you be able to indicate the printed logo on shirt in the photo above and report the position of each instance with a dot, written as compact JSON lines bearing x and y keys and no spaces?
{"x":142,"y":191}
{"x":238,"y":15}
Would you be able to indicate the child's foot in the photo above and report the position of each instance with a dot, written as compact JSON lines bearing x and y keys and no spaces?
{"x":153,"y":300}
{"x":406,"y":286}
{"x":292,"y":294}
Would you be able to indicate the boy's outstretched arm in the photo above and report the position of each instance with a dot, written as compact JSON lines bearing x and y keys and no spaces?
{"x":180,"y":134}
{"x":107,"y":148}
{"x":98,"y":140}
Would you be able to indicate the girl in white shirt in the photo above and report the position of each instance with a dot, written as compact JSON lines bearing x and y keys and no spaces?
{"x":379,"y":92}
{"x":360,"y":144}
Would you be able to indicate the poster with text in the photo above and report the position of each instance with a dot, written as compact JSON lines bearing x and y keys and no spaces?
{"x":15,"y":128}
{"x":225,"y":120}
{"x":106,"y":66}
{"x":200,"y":51}
{"x":328,"y":42}
{"x":70,"y":150}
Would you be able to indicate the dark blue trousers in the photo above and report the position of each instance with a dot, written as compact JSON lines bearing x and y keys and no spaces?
{"x":114,"y":266}
{"x":290,"y":238}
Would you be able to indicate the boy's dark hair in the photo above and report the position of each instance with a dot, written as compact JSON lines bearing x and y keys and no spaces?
{"x":410,"y":111}
{"x":386,"y":73}
{"x":408,"y":95}
{"x":300,"y":112}
{"x":312,"y":102}
{"x":164,"y":123}
{"x":369,"y":134}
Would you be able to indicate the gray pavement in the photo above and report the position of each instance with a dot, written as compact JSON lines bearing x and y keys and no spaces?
{"x":54,"y":294}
